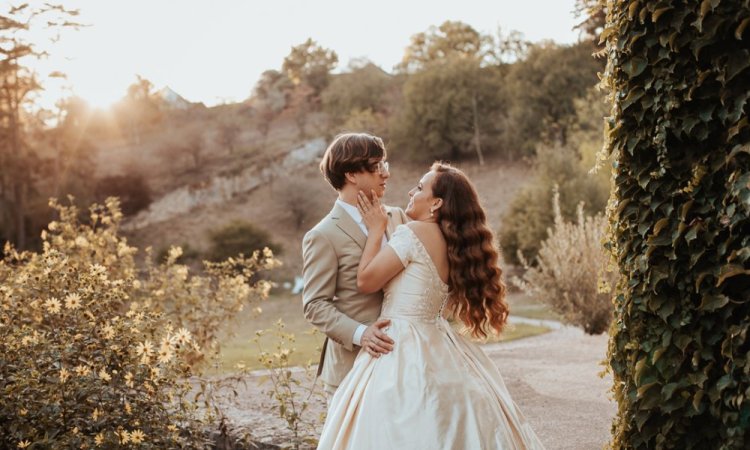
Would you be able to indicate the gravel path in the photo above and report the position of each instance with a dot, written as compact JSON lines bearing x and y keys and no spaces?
{"x":554,"y":378}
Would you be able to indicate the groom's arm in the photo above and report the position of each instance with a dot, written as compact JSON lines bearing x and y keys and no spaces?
{"x":319,"y":272}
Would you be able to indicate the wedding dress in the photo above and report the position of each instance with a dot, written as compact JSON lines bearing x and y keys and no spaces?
{"x":435,"y":390}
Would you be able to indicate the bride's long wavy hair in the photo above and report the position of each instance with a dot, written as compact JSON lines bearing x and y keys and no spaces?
{"x":477,"y":289}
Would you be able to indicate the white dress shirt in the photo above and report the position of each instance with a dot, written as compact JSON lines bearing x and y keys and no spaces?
{"x":357,"y":217}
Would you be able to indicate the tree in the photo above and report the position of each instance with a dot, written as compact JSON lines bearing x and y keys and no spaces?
{"x":680,"y":219}
{"x":450,"y":110}
{"x":138,"y":110}
{"x":363,"y":88}
{"x":310,"y":64}
{"x":542,"y":90}
{"x":592,"y":14}
{"x":18,"y":156}
{"x":452,"y":39}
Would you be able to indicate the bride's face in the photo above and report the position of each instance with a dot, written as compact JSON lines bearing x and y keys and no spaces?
{"x":421,"y":199}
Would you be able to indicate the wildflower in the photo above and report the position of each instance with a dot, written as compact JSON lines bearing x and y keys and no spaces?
{"x":128,"y":408}
{"x":82,"y":371}
{"x":603,"y":286}
{"x":129,"y":380}
{"x":137,"y":436}
{"x":104,"y":375}
{"x":73,"y":301}
{"x":124,"y":437}
{"x":182,"y":336}
{"x":144,"y":350}
{"x":23,"y":444}
{"x":109,"y":331}
{"x":171,"y":427}
{"x":99,"y":439}
{"x":81,"y":242}
{"x":52,"y":226}
{"x":64,"y":375}
{"x":136,"y":284}
{"x":23,"y":412}
{"x":95,"y":415}
{"x":165,"y":354}
{"x":155,"y":372}
{"x":75,"y":430}
{"x":53,"y":305}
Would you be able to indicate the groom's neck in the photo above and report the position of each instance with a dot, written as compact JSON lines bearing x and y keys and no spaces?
{"x":348,"y":196}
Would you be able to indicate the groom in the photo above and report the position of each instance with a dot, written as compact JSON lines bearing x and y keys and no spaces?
{"x":331,"y":251}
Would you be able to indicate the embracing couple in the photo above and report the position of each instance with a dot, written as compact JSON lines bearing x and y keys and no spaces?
{"x":380,"y":282}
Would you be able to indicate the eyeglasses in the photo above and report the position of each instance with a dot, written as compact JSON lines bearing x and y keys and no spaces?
{"x":382,"y":167}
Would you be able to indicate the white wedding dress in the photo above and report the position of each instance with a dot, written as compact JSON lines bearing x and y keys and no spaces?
{"x":435,"y":390}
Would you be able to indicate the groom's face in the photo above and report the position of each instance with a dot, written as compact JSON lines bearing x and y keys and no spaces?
{"x":374,"y":178}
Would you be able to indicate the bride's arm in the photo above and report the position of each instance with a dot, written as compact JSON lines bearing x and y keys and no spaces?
{"x":376,"y":267}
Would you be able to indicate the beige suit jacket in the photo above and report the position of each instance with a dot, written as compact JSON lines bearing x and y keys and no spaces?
{"x":331,"y":251}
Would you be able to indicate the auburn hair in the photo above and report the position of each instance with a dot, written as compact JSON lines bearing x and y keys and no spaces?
{"x":477,"y":291}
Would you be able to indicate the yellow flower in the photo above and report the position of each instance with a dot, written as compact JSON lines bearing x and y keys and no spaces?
{"x":165,"y":354}
{"x":73,"y":301}
{"x":23,"y":444}
{"x":109,"y":331}
{"x":53,"y":305}
{"x":128,"y":408}
{"x":155,"y":372}
{"x":182,"y":336}
{"x":99,"y":439}
{"x":603,"y":286}
{"x":144,"y":350}
{"x":23,"y":412}
{"x":75,"y":430}
{"x":64,"y":375}
{"x":104,"y":375}
{"x":82,"y":371}
{"x":81,"y":242}
{"x":137,"y":436}
{"x":171,"y":427}
{"x":129,"y":380}
{"x":124,"y":437}
{"x":95,"y":415}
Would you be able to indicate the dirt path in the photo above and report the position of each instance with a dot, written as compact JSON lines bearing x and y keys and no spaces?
{"x":553,"y":378}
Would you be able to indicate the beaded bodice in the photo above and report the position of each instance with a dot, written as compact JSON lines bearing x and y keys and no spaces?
{"x":417,"y":293}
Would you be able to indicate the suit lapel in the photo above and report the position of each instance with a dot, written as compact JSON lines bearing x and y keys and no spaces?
{"x":346,"y":224}
{"x":389,"y":227}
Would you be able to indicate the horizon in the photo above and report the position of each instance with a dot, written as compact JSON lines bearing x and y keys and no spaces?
{"x":209,"y":55}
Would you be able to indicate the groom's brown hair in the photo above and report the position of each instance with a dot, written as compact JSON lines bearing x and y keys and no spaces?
{"x":351,"y":152}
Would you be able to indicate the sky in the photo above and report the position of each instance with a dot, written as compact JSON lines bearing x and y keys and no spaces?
{"x":214,"y":51}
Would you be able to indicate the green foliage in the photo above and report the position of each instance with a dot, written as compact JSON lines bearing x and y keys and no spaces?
{"x":239,"y":238}
{"x":541,"y":90}
{"x":362,"y":89}
{"x":309,"y":63}
{"x":445,"y":107}
{"x":291,"y":398}
{"x":574,"y":275}
{"x":530,"y":215}
{"x":679,"y":74}
{"x":452,"y":39}
{"x":94,"y":354}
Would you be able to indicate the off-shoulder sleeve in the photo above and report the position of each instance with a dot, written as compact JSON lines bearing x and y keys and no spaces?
{"x":402,"y":242}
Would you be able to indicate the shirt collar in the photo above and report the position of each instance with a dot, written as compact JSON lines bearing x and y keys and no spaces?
{"x":351,"y":210}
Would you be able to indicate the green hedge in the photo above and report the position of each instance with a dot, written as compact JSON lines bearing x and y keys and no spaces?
{"x":679,"y":73}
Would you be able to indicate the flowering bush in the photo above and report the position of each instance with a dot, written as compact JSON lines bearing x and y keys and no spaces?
{"x":574,"y":274}
{"x":94,"y":353}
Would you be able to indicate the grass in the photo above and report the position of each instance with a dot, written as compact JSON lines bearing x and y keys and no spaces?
{"x":524,"y":306}
{"x":240,"y":348}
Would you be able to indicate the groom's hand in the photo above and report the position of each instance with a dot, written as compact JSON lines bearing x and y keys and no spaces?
{"x":375,"y":341}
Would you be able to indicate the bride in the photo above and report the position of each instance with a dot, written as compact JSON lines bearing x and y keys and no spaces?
{"x":435,"y":389}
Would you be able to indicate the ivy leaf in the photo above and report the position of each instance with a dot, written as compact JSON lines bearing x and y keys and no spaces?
{"x":741,"y":28}
{"x":711,"y":302}
{"x":635,"y":66}
{"x":731,"y":270}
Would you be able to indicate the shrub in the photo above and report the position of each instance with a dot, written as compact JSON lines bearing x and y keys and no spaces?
{"x":94,"y":353}
{"x":239,"y":238}
{"x":525,"y":224}
{"x":574,"y":275}
{"x":132,"y":190}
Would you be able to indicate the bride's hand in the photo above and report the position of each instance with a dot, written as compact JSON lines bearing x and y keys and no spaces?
{"x":373,"y":213}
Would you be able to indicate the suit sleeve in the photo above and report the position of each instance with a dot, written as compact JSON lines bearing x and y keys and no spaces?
{"x":319,"y":273}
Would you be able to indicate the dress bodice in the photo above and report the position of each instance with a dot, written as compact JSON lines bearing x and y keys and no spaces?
{"x":417,"y":293}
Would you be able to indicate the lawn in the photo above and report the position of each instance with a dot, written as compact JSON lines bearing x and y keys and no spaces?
{"x":241,"y":348}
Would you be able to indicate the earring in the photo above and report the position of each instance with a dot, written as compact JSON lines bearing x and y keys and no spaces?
{"x":432,"y":213}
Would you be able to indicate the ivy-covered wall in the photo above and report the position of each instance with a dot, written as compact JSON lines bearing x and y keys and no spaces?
{"x":679,"y":74}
